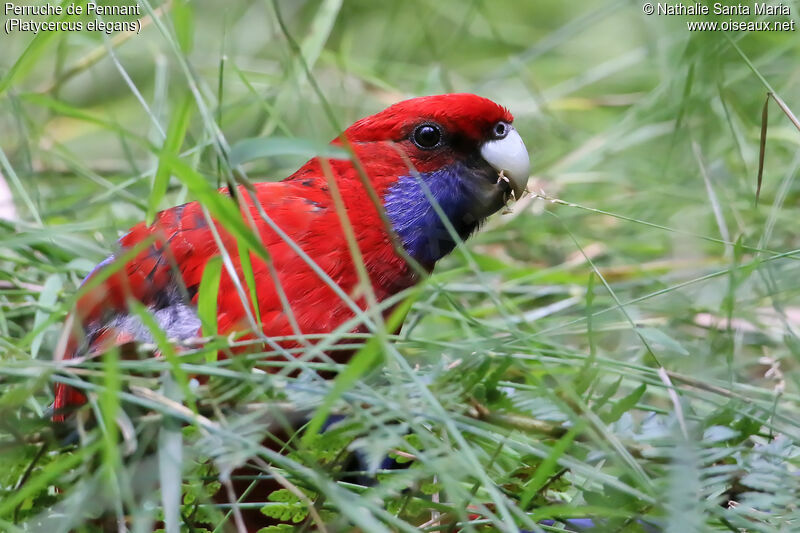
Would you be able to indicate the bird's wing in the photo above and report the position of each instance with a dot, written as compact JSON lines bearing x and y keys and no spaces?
{"x":161,"y":267}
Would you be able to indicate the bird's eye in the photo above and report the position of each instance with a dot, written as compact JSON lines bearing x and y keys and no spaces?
{"x":500,"y":130}
{"x":427,"y":136}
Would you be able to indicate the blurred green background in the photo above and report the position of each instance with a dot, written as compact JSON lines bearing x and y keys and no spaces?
{"x":657,"y":268}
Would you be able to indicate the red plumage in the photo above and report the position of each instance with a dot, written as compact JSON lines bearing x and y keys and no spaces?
{"x":303,"y":207}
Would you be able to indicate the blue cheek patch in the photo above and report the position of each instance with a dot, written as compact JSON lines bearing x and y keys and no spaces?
{"x":421,"y":230}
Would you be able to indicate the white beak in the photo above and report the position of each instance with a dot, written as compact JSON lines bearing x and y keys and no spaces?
{"x":509,"y":156}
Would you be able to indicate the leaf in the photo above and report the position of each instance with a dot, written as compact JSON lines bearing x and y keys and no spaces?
{"x":170,"y":463}
{"x":305,"y":54}
{"x":47,"y":475}
{"x":249,"y":277}
{"x":109,"y":403}
{"x":69,"y":111}
{"x":715,"y":434}
{"x":762,"y":144}
{"x":207,"y":300}
{"x":659,"y":338}
{"x":320,"y":29}
{"x":260,"y":147}
{"x":429,"y":488}
{"x":611,"y":391}
{"x":182,"y":19}
{"x":625,"y":404}
{"x":172,"y":145}
{"x":279,"y":528}
{"x":547,"y":467}
{"x":47,"y":300}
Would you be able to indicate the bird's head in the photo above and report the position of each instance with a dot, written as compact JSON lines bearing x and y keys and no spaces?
{"x":460,"y":149}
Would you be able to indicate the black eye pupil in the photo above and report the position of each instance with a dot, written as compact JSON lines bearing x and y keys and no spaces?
{"x":427,"y":136}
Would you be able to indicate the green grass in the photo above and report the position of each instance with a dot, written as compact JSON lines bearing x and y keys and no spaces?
{"x":622,"y":346}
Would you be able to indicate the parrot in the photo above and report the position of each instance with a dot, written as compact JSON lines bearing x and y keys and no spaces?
{"x":410,"y":166}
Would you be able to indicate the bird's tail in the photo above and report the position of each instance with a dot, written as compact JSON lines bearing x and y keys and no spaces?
{"x":66,"y":397}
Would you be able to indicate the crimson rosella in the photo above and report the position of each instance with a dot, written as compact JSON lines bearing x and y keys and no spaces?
{"x":460,"y":149}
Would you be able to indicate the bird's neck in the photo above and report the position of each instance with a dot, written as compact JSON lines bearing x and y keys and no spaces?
{"x":409,"y":204}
